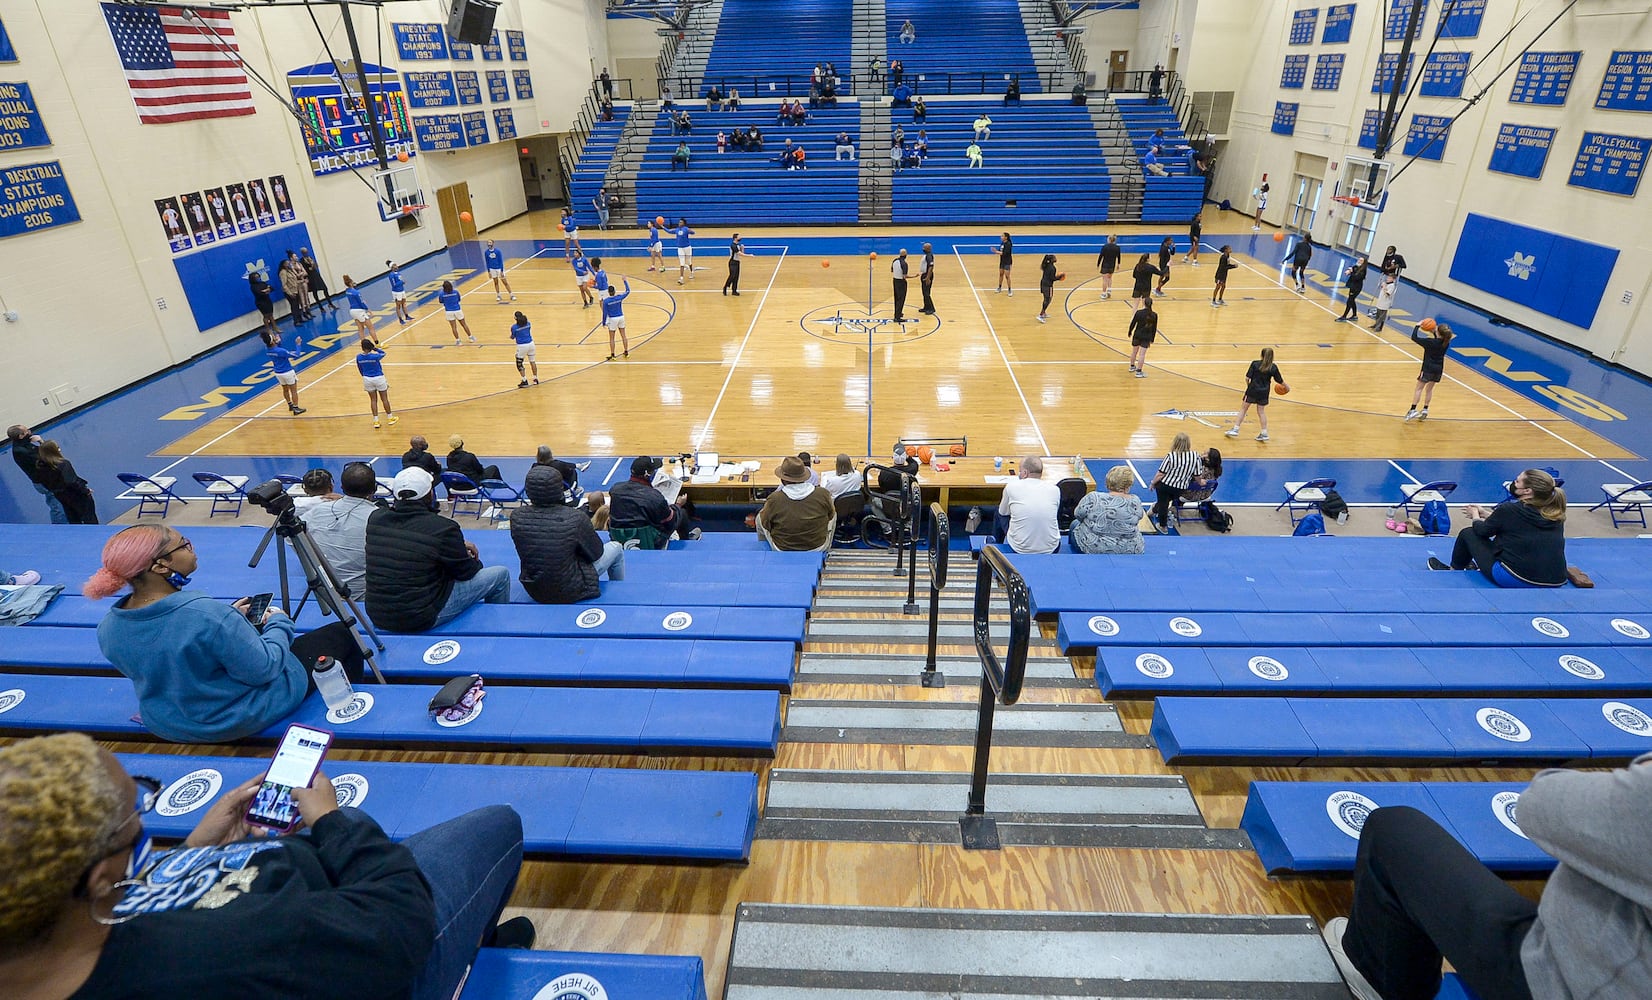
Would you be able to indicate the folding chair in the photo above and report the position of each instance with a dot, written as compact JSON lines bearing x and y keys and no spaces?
{"x":1190,"y":500}
{"x":502,"y":495}
{"x":154,"y":493}
{"x":1416,"y":494}
{"x":384,"y":491}
{"x":228,"y":493}
{"x":1626,"y":502}
{"x":461,"y":492}
{"x":850,"y":508}
{"x":294,"y":485}
{"x":1072,"y":490}
{"x":1304,"y":498}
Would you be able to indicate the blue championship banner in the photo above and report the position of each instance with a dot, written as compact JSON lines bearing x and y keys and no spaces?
{"x":1368,"y":128}
{"x":1461,"y":18}
{"x":1521,"y":150}
{"x":1628,"y":83}
{"x":1610,"y":163}
{"x":1284,"y":118}
{"x":1295,"y":73}
{"x":439,"y":132}
{"x":1553,"y":274}
{"x":476,"y":128}
{"x":462,"y":51}
{"x":499,"y":86}
{"x":1544,"y":78}
{"x":1303,"y":23}
{"x":469,"y":88}
{"x":1387,"y":64}
{"x":1339,"y":24}
{"x":524,"y":84}
{"x":430,"y":90}
{"x":517,"y":45}
{"x":1426,"y":138}
{"x":1444,"y":73}
{"x":491,"y":49}
{"x":7,"y":53}
{"x":1328,"y":70}
{"x":20,"y":124}
{"x":504,"y":123}
{"x":34,"y":196}
{"x":1399,"y":16}
{"x":420,"y":42}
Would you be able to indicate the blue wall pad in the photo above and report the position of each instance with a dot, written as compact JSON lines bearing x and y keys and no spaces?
{"x":215,"y":279}
{"x":629,"y":720}
{"x":514,"y":974}
{"x":1313,"y":827}
{"x":606,"y":812}
{"x":1553,"y":274}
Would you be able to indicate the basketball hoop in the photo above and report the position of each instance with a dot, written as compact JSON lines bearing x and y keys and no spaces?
{"x":413,"y":209}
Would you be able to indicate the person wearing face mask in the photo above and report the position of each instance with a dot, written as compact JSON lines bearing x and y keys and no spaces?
{"x":88,"y":911}
{"x":203,"y":672}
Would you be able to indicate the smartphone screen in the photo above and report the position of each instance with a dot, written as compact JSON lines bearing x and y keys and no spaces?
{"x":256,"y":606}
{"x":296,"y":761}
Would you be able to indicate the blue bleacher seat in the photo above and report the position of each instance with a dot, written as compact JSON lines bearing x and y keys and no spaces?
{"x":582,"y":811}
{"x":965,"y":38}
{"x":518,"y":974}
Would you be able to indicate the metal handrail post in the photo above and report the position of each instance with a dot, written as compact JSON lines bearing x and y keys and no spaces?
{"x":1000,"y":682}
{"x":940,"y":540}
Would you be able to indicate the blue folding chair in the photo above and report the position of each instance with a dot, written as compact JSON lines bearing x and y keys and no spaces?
{"x":294,"y":485}
{"x":1417,"y":494}
{"x":154,"y":494}
{"x":502,"y":495}
{"x":461,"y":492}
{"x":1626,"y":502}
{"x":1302,"y":499}
{"x":1185,"y":508}
{"x":228,"y":493}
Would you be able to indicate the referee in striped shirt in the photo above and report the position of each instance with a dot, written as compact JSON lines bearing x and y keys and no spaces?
{"x":1175,"y":474}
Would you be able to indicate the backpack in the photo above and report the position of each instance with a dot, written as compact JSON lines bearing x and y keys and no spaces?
{"x":1311,"y":524}
{"x":1216,"y":519}
{"x":1333,"y":505}
{"x":1436,"y":518}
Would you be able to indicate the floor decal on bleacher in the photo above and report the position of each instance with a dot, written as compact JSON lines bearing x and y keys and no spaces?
{"x":1349,"y":811}
{"x":1627,"y":718}
{"x":190,"y":792}
{"x":356,"y":708}
{"x":1503,"y":725}
{"x":11,"y":699}
{"x":573,"y":986}
{"x":442,"y":652}
{"x":350,"y":789}
{"x":1503,"y":807}
{"x":591,"y":618}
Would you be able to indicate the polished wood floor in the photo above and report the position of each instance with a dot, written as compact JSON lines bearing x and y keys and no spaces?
{"x":770,"y":373}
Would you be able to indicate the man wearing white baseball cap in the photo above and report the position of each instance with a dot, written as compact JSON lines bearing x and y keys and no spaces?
{"x":421,"y":572}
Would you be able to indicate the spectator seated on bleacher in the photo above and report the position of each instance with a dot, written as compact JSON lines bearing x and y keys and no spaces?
{"x":783,"y":114}
{"x":1420,"y":896}
{"x":317,"y":485}
{"x":418,"y":454}
{"x":974,"y":154}
{"x":1027,"y":514}
{"x":341,"y":911}
{"x":844,"y":478}
{"x":732,"y":101}
{"x":1012,"y":93}
{"x":1150,"y":163}
{"x":1081,"y":97}
{"x":814,"y":95}
{"x":1520,"y":542}
{"x":909,"y":34}
{"x":339,"y":527}
{"x":680,"y":157}
{"x":202,"y":672}
{"x":901,"y":96}
{"x":799,"y":516}
{"x":783,"y":159}
{"x":920,"y":110}
{"x":844,"y":145}
{"x":421,"y":572}
{"x":569,"y":471}
{"x":684,"y":125}
{"x":607,"y":111}
{"x":754,"y":138}
{"x":828,"y":93}
{"x":637,"y":512}
{"x":1156,"y":141}
{"x":466,"y":463}
{"x":1109,"y":522}
{"x":798,"y":156}
{"x":722,"y":141}
{"x":983,"y":128}
{"x":800,"y":114}
{"x":714,"y":99}
{"x":561,"y":556}
{"x":897,"y":156}
{"x":910,"y":156}
{"x":921,"y":149}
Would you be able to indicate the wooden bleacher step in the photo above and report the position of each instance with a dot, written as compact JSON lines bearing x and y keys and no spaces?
{"x":895,"y":600}
{"x":885,"y":580}
{"x":818,"y":952}
{"x":841,"y":668}
{"x":1055,"y":810}
{"x":911,"y":631}
{"x":943,"y":723}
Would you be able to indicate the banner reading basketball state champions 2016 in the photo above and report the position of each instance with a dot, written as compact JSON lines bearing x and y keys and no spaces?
{"x":34,"y":196}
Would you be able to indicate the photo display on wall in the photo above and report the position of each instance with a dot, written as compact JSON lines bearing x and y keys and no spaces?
{"x":195,"y":214}
{"x":240,"y":208}
{"x":1522,"y":150}
{"x":218,"y":208}
{"x":283,"y":199}
{"x":172,"y":223}
{"x":1544,"y":78}
{"x":1628,"y":83}
{"x":1339,"y":24}
{"x":215,"y":214}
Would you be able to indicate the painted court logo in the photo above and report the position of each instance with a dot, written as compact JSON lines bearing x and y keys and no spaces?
{"x":1154,"y":665}
{"x":573,"y":986}
{"x":1186,"y":627}
{"x":591,"y":618}
{"x":1521,"y":265}
{"x":1099,"y":624}
{"x":1268,"y":668}
{"x":1580,"y":667}
{"x":443,"y":652}
{"x":1502,"y":725}
{"x":1551,"y":628}
{"x":1502,"y":806}
{"x":358,"y":706}
{"x":190,"y":792}
{"x":10,"y":699}
{"x":351,"y":789}
{"x":1349,"y":811}
{"x":1627,"y":718}
{"x":1632,"y":629}
{"x":676,"y":621}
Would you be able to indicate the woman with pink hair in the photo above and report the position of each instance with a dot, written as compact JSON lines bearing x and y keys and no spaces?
{"x":204,"y":673}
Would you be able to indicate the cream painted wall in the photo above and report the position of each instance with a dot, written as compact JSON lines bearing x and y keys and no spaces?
{"x":116,"y":168}
{"x":1430,"y":201}
{"x":1104,"y":33}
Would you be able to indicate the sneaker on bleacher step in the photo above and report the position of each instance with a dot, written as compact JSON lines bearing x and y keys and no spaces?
{"x":972,"y":521}
{"x":1435,"y":563}
{"x":1358,"y":985}
{"x":27,"y":578}
{"x":517,"y":932}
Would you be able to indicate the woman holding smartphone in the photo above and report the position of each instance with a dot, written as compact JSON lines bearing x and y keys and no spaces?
{"x":339,"y":912}
{"x":203,"y":672}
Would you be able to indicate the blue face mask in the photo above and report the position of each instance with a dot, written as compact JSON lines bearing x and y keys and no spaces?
{"x":177,"y":580}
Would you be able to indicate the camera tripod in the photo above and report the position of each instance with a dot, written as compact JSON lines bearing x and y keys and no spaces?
{"x":319,"y":577}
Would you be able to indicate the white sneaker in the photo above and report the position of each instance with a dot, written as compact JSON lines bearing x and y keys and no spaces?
{"x":1262,"y":436}
{"x":1010,"y":293}
{"x":1040,"y":319}
{"x":1358,"y":985}
{"x":1256,"y":229}
{"x":513,"y":296}
{"x":1231,"y":432}
{"x":1410,"y":415}
{"x":1422,"y":414}
{"x":499,"y":298}
{"x":1140,"y":373}
{"x":27,"y":578}
{"x":1106,"y":295}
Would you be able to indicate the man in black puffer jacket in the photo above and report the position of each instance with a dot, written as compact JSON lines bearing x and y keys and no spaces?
{"x":420,"y":570}
{"x":561,"y":555}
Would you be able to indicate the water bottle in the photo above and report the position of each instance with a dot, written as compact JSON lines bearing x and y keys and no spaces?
{"x":998,"y":464}
{"x":331,"y":681}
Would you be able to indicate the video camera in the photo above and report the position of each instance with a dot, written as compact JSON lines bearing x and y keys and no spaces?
{"x":271,"y":497}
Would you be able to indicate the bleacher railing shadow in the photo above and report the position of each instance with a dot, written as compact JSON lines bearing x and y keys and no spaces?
{"x":1001,"y":681}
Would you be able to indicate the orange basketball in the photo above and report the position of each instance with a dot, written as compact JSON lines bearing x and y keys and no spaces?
{"x":659,"y":220}
{"x":911,"y":451}
{"x":407,"y":209}
{"x":825,"y":263}
{"x":874,"y":255}
{"x":561,"y":228}
{"x":1279,"y":237}
{"x":1428,"y":325}
{"x":926,"y":454}
{"x":1281,"y":388}
{"x":1061,"y":276}
{"x":401,"y":157}
{"x":464,"y":216}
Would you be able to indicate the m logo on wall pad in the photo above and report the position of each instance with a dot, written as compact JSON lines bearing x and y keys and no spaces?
{"x":1521,"y":265}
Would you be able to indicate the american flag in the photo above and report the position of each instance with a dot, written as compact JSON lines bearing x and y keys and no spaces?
{"x":176,"y":62}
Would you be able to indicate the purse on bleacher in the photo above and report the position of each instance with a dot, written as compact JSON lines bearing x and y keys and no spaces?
{"x":458,"y":698}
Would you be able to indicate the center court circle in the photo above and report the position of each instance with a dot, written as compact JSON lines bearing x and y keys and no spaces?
{"x":850,"y":323}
